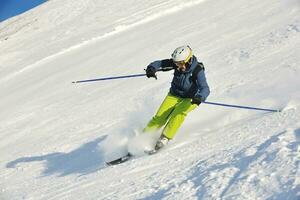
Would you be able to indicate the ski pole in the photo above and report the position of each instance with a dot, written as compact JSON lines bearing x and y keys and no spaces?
{"x":112,"y":77}
{"x":109,"y":78}
{"x":243,"y":107}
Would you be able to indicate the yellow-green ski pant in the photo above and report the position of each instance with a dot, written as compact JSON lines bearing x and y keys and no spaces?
{"x":171,"y":112}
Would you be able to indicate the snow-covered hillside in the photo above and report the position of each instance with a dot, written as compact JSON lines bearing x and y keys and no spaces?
{"x":56,"y":136}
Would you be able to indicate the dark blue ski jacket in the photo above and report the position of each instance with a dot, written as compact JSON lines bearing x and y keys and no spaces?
{"x":182,"y":84}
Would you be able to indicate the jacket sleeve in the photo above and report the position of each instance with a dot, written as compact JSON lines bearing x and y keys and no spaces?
{"x":203,"y":88}
{"x":163,"y":65}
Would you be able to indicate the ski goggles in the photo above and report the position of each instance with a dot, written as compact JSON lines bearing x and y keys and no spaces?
{"x":180,"y":63}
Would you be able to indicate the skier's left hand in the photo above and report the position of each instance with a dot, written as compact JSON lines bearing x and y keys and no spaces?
{"x":196,"y":100}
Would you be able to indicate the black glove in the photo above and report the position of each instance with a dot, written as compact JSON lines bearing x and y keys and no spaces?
{"x":196,"y":100}
{"x":150,"y":72}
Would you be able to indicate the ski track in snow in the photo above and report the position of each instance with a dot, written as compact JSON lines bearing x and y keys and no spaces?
{"x":250,"y":166}
{"x":56,"y":136}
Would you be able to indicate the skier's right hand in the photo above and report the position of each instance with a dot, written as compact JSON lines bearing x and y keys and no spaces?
{"x":150,"y":72}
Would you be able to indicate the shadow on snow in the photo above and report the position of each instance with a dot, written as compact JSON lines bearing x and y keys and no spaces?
{"x":83,"y":160}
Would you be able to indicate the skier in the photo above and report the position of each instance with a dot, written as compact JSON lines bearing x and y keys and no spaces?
{"x":188,"y":89}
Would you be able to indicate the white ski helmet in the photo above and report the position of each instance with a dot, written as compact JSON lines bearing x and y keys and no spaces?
{"x":182,"y":54}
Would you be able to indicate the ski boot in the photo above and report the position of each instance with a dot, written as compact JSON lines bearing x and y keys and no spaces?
{"x":162,"y":141}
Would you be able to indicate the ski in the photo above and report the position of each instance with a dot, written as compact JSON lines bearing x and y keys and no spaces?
{"x":119,"y":160}
{"x":150,"y":152}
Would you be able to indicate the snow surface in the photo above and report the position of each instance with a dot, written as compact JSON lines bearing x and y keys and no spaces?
{"x":56,"y":136}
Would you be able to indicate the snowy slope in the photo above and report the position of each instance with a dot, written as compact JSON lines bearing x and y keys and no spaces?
{"x":56,"y":136}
